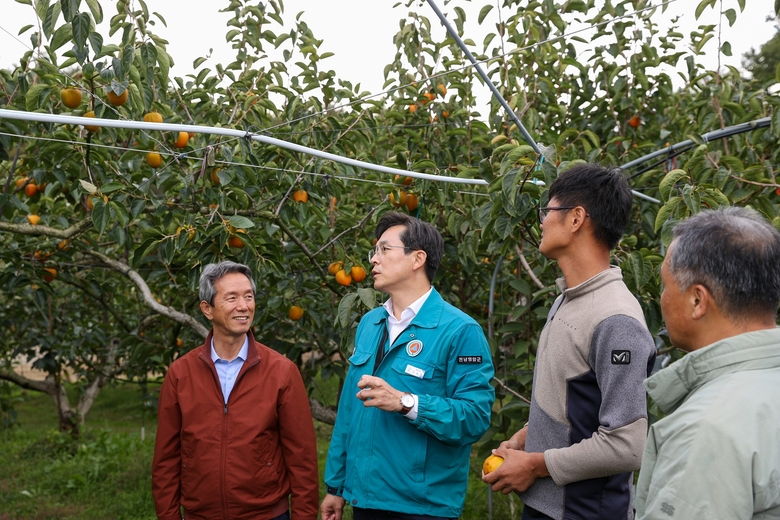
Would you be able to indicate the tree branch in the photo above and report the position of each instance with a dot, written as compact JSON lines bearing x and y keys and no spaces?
{"x":503,"y":385}
{"x":92,"y":391}
{"x":322,"y":414}
{"x":140,"y":283}
{"x":527,"y":268}
{"x":27,"y":229}
{"x":100,"y":299}
{"x":356,"y":226}
{"x":46,"y":386}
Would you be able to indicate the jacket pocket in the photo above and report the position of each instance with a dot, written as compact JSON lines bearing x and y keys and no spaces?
{"x":359,"y":358}
{"x":417,"y":377}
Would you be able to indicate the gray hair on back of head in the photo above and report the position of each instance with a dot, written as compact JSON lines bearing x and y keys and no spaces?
{"x":735,"y":253}
{"x":213,"y":272}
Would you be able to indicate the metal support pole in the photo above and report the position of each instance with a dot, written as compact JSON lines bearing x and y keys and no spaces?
{"x":485,"y":78}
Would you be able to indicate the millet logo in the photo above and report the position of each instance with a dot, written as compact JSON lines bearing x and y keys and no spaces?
{"x":621,"y":357}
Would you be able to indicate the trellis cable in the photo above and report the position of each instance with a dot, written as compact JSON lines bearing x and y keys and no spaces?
{"x":171,"y":127}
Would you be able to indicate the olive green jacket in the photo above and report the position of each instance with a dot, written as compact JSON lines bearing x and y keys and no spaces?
{"x":717,"y":454}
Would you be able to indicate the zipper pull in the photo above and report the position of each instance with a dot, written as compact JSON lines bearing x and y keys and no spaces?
{"x":225,"y":408}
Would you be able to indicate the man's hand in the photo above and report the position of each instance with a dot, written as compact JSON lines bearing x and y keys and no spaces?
{"x":517,"y":441}
{"x":332,"y":507}
{"x":375,"y":391}
{"x":518,"y":472}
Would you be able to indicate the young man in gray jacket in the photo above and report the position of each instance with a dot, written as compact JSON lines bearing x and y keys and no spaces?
{"x":588,"y":418}
{"x":717,"y":454}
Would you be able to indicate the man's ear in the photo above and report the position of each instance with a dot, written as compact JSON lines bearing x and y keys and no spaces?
{"x":205,"y":308}
{"x":577,"y":218}
{"x":700,"y":300}
{"x":420,"y":257}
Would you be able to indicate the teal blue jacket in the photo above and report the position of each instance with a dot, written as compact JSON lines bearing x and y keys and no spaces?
{"x":382,"y":460}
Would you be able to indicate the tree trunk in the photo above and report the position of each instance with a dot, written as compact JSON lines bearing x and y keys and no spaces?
{"x":70,"y":419}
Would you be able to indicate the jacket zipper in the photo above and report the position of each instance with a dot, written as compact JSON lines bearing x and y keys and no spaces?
{"x":223,"y":444}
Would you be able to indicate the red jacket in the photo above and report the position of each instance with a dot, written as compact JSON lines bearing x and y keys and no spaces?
{"x":241,"y":460}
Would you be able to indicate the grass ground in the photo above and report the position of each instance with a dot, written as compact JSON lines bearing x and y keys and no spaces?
{"x":107,"y":473}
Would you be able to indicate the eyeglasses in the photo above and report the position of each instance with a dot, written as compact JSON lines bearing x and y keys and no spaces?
{"x":543,"y":211}
{"x":381,"y":250}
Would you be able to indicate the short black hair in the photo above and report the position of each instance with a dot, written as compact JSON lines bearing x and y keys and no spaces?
{"x":735,"y":254}
{"x":603,"y":192}
{"x":418,"y":235}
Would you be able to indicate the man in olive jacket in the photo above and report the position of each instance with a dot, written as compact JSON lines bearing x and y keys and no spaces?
{"x":717,"y":454}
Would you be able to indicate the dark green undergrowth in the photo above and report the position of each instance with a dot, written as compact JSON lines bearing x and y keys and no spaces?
{"x":106,"y":472}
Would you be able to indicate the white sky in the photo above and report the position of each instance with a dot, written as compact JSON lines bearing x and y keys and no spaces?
{"x":360,"y":32}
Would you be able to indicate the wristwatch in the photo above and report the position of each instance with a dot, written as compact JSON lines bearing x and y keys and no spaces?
{"x":407,"y":403}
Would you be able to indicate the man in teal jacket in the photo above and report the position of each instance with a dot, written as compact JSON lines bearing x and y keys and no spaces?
{"x":717,"y":454}
{"x":417,"y":394}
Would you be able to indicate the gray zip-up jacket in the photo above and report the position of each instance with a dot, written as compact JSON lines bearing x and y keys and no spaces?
{"x":588,"y":408}
{"x":717,"y":455}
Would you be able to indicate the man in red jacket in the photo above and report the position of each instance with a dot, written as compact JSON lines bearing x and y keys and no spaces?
{"x":235,"y":437}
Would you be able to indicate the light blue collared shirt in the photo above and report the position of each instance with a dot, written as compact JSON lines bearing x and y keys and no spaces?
{"x":228,"y":370}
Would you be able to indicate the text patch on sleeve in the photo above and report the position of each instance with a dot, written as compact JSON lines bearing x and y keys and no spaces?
{"x":469,"y":360}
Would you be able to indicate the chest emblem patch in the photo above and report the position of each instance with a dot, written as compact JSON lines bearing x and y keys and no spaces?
{"x":621,"y":357}
{"x":413,"y":348}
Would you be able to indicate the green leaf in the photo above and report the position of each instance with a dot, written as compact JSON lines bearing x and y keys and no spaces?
{"x":367,"y":296}
{"x":702,"y":6}
{"x":669,"y":180}
{"x":61,"y":36}
{"x":726,"y":49}
{"x":96,"y":42}
{"x":503,"y":226}
{"x":36,"y":96}
{"x":484,"y":12}
{"x":80,"y":26}
{"x":345,"y":309}
{"x":593,"y":138}
{"x":110,"y":186}
{"x":165,"y":63}
{"x":239,"y":222}
{"x":665,"y":212}
{"x":731,"y":15}
{"x":142,"y":250}
{"x":50,"y":20}
{"x":69,"y":9}
{"x":637,"y":269}
{"x":96,"y":10}
{"x":101,"y":215}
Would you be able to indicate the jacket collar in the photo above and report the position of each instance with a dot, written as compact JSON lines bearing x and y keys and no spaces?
{"x":613,"y":274}
{"x":429,"y":314}
{"x":750,"y":351}
{"x":253,"y":354}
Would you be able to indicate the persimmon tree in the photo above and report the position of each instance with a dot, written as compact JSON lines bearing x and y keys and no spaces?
{"x":124,"y":299}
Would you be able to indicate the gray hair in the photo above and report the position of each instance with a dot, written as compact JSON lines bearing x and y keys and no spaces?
{"x":213,"y":272}
{"x":735,"y":254}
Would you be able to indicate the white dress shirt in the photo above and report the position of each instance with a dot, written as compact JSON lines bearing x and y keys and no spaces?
{"x":395,"y":327}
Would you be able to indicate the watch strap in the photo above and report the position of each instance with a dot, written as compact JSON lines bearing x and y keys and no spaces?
{"x":406,"y":409}
{"x":335,"y":491}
